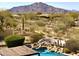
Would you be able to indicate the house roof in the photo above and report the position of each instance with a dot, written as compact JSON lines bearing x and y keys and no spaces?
{"x":18,"y":51}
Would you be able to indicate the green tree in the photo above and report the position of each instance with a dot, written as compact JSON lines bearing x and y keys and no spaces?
{"x":1,"y":23}
{"x":8,"y":18}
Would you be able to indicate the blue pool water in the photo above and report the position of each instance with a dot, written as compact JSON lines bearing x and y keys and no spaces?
{"x":45,"y":52}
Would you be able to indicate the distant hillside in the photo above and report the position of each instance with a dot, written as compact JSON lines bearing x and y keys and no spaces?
{"x":38,"y":7}
{"x":2,"y":9}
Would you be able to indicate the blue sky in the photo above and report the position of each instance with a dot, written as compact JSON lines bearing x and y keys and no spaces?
{"x":65,"y":5}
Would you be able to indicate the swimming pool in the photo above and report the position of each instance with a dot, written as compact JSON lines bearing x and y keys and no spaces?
{"x":45,"y":52}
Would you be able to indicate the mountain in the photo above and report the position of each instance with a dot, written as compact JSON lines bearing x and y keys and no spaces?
{"x":38,"y":7}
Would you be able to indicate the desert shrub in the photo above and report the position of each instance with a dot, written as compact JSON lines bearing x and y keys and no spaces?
{"x":73,"y":44}
{"x":40,"y":23}
{"x":66,"y":50}
{"x":14,"y":40}
{"x":36,"y":37}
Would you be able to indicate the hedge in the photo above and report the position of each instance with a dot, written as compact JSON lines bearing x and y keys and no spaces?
{"x":14,"y":40}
